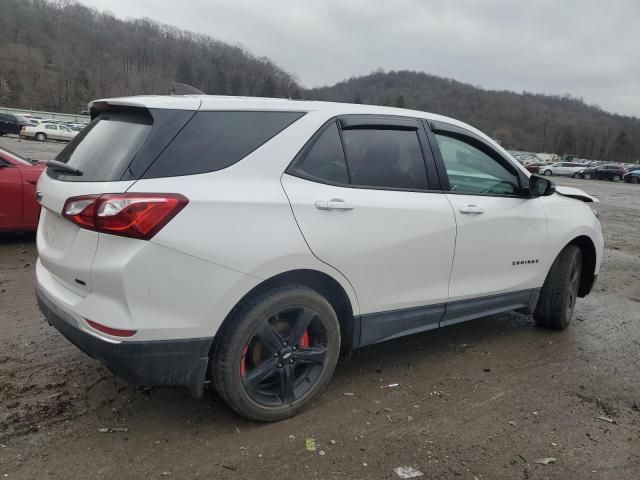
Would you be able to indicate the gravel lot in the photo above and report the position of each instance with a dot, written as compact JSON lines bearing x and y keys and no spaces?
{"x":481,"y":400}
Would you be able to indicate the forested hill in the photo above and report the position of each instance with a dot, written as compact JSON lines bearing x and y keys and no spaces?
{"x":58,"y":55}
{"x":526,"y":121}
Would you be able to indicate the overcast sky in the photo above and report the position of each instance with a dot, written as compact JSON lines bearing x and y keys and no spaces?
{"x":587,"y":48}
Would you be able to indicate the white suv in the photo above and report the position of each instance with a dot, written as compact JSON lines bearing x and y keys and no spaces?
{"x":246,"y":241}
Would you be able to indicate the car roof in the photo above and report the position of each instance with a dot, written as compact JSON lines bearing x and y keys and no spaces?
{"x":222,"y":102}
{"x":330,"y":109}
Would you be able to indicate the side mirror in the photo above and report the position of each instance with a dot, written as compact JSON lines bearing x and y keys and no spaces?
{"x":540,"y":187}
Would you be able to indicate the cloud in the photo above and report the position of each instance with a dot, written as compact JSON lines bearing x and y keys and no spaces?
{"x":585,"y":48}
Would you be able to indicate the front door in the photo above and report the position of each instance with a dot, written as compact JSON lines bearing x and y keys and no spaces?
{"x":500,"y":245}
{"x":372,"y":217}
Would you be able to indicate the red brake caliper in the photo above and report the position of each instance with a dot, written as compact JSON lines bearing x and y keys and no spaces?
{"x":243,"y":361}
{"x":304,"y":342}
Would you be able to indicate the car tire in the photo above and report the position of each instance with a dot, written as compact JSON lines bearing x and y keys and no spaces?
{"x":587,"y":176}
{"x":634,"y":180}
{"x":560,"y":290}
{"x":260,"y":374}
{"x":41,"y":137}
{"x":547,"y":173}
{"x":576,"y":175}
{"x":616,"y":178}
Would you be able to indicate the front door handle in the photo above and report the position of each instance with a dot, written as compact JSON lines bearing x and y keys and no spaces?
{"x":333,"y":204}
{"x":471,"y":209}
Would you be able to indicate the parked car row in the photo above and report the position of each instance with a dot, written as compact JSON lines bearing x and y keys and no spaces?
{"x":616,"y":172}
{"x":613,"y":171}
{"x":12,"y":124}
{"x":27,"y":126}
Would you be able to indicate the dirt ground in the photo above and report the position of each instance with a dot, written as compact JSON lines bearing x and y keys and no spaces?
{"x":484,"y":400}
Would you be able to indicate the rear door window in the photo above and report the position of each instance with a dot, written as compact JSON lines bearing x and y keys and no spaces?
{"x":324,"y":161}
{"x":385,"y":158}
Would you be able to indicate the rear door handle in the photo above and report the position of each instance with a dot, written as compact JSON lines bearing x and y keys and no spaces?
{"x":333,"y":204}
{"x":471,"y":209}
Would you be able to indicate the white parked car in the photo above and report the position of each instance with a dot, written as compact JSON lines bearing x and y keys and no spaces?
{"x":567,"y":169}
{"x":48,"y":131}
{"x":247,"y":241}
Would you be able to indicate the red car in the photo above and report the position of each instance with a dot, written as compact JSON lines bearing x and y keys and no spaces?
{"x":534,"y":167}
{"x":19,"y":211}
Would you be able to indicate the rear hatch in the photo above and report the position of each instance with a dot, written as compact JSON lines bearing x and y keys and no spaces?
{"x":119,"y":145}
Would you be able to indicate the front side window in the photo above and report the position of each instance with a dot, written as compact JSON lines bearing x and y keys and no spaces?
{"x":470,"y":170}
{"x":325,"y":160}
{"x":385,"y":158}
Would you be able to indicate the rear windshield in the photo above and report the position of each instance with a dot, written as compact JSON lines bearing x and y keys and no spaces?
{"x":134,"y":144}
{"x":104,"y":150}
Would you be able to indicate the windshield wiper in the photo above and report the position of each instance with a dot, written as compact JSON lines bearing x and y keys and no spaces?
{"x":57,"y":166}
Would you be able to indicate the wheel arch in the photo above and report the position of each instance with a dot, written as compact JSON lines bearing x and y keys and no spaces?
{"x":323,"y":283}
{"x":589,"y":259}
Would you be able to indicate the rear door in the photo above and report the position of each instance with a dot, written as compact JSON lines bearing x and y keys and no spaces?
{"x":502,"y":234}
{"x":64,"y":133}
{"x":377,"y":216}
{"x":51,"y":130}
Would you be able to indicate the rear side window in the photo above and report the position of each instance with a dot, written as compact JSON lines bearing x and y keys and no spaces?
{"x":325,"y":160}
{"x":385,"y":158}
{"x":215,"y":140}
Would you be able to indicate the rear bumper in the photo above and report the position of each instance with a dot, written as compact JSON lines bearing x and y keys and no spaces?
{"x":163,"y":362}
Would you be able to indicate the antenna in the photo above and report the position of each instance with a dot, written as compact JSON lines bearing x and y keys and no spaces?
{"x":184,"y":89}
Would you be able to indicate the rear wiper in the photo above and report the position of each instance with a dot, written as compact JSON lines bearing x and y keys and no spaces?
{"x":57,"y":166}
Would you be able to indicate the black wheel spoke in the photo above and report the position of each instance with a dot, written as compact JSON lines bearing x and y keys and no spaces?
{"x":269,"y":337}
{"x":300,"y":326}
{"x":287,"y":386}
{"x":259,"y":374}
{"x":311,"y":354}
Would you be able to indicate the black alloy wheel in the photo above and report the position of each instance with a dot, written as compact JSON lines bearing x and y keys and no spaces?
{"x":276,"y":352}
{"x":285,"y":357}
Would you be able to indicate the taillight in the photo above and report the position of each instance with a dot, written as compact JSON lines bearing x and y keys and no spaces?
{"x":133,"y":215}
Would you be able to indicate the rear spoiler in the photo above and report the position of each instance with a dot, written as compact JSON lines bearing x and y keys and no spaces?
{"x":146,"y":102}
